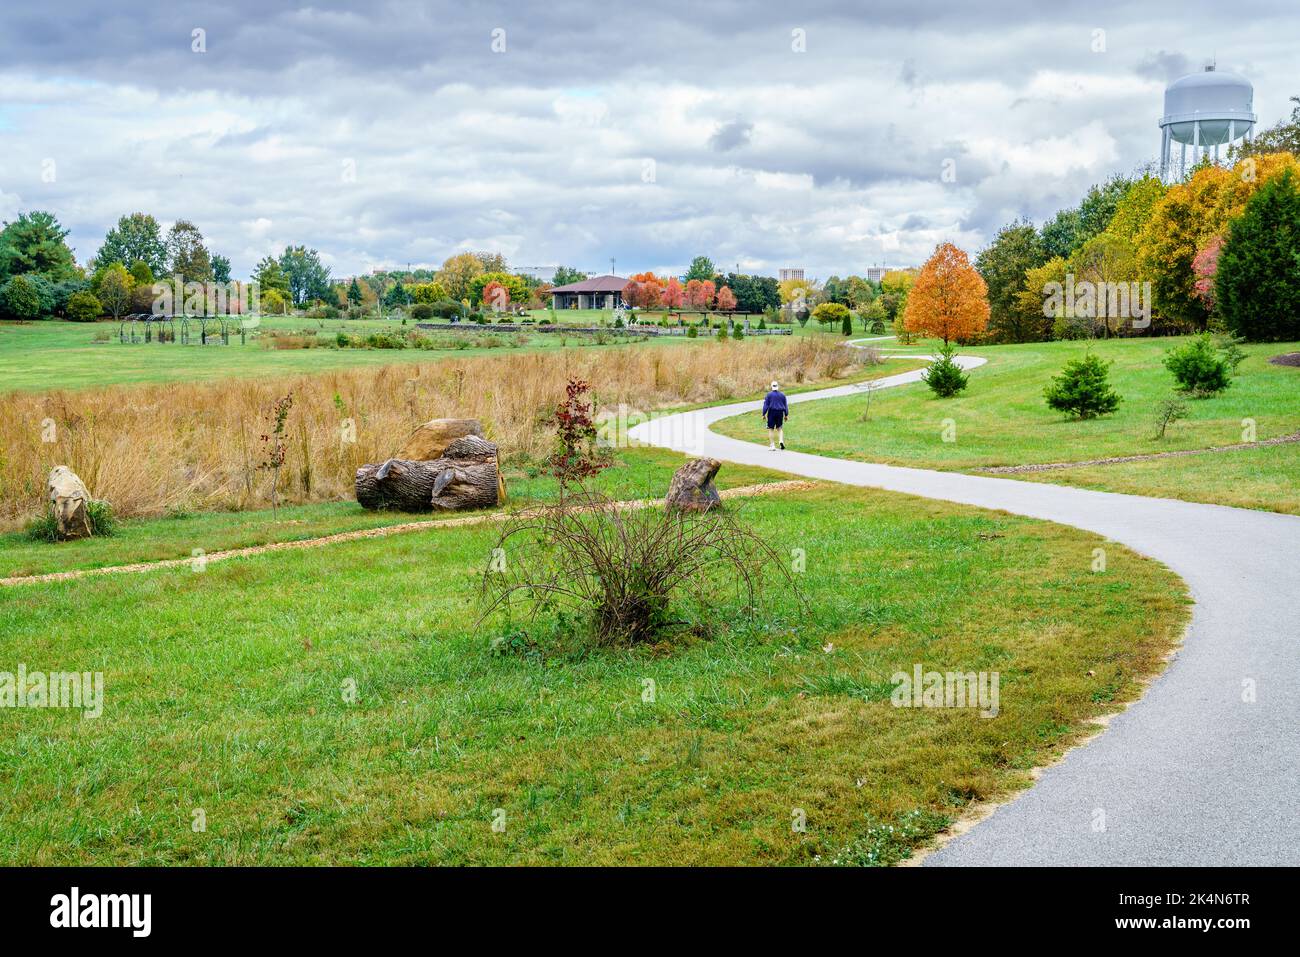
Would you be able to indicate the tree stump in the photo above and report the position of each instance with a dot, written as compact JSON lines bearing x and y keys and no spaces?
{"x":430,"y":440}
{"x":69,"y":499}
{"x":465,"y":476}
{"x":692,"y":489}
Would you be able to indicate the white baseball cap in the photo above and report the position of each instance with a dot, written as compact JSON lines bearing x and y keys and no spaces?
{"x":774,"y":385}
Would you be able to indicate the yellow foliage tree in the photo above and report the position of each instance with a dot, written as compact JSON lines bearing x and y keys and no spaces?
{"x":949,"y":299}
{"x":1105,"y":259}
{"x":1186,"y":218}
{"x":1134,"y":209}
{"x":1031,"y":302}
{"x":458,"y":272}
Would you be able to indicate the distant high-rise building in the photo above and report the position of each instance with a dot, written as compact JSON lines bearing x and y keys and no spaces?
{"x":875,"y":273}
{"x":784,"y":274}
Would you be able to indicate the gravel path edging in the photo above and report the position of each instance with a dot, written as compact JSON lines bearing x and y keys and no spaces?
{"x":382,"y":531}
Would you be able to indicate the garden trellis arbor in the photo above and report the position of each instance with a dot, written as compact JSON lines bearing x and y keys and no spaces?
{"x":141,"y":326}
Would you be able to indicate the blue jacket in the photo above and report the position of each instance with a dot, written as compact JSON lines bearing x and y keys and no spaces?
{"x":774,"y":401}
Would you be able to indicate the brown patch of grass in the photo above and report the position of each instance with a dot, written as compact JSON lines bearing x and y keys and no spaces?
{"x":150,"y":448}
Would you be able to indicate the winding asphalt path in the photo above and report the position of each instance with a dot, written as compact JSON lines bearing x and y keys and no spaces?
{"x":1191,"y":773}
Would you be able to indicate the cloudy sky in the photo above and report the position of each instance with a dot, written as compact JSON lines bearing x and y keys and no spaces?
{"x":563,"y":132}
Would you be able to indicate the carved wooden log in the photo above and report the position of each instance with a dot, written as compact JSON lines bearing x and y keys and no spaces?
{"x":465,"y":477}
{"x":692,"y":489}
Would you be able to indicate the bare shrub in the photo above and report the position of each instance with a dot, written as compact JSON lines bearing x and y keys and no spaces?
{"x":1168,"y":411}
{"x":620,"y":565}
{"x":865,"y":355}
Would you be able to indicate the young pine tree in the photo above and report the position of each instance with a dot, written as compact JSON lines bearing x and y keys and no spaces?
{"x":1199,"y":368}
{"x":944,"y":376}
{"x":1083,"y":389}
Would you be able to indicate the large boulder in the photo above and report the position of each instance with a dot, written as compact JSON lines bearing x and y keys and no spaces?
{"x":430,"y":440}
{"x":70,"y":502}
{"x":692,"y":488}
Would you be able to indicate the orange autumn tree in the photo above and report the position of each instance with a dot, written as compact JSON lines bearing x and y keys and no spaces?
{"x":699,"y":293}
{"x":949,"y":299}
{"x":647,"y":293}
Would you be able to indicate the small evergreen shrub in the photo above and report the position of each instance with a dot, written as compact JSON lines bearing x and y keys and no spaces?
{"x":1200,"y":369}
{"x":944,"y":376}
{"x":1082,"y":390}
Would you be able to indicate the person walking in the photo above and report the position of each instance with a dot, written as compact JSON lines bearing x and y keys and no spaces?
{"x":776,"y":410}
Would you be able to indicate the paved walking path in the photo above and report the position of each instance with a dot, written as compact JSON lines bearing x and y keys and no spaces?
{"x":1189,"y":774}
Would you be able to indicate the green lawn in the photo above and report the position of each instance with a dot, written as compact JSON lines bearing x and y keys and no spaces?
{"x":224,"y":694}
{"x":1001,"y":419}
{"x":54,"y":354}
{"x":636,"y":473}
{"x":1266,"y":478}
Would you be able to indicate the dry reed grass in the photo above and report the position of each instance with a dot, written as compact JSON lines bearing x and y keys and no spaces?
{"x":152,"y":449}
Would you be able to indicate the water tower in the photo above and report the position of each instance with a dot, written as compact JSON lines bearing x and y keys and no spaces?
{"x":1203,"y":110}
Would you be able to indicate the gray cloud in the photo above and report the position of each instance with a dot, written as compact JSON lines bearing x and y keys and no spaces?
{"x":1163,"y":65}
{"x":392,"y":132}
{"x":730,"y":136}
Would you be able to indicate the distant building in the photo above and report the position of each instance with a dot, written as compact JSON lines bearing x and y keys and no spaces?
{"x":876,"y":273}
{"x":600,"y":292}
{"x":784,"y":274}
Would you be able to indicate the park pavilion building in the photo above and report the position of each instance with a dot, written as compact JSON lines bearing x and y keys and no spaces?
{"x":599,"y":292}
